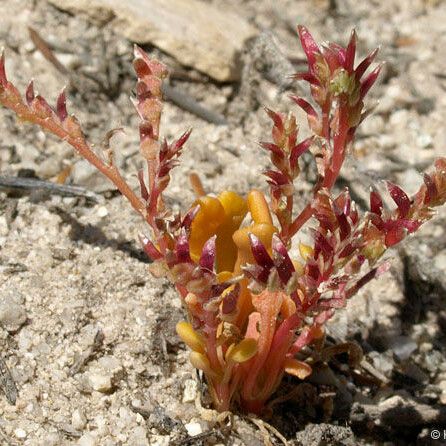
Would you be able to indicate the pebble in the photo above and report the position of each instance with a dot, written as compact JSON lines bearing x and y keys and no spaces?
{"x":424,"y":140}
{"x":402,"y":347}
{"x":100,"y":382}
{"x":159,"y":440}
{"x":193,"y":428}
{"x":78,"y":420}
{"x":190,"y":391}
{"x":440,"y":261}
{"x":20,"y":433}
{"x":12,"y":314}
{"x":87,"y":440}
{"x":102,"y":212}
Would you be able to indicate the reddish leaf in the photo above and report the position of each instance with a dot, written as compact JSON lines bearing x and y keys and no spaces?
{"x":61,"y":106}
{"x":207,"y":258}
{"x":29,"y":94}
{"x":272,"y":148}
{"x":3,"y":79}
{"x":395,"y":235}
{"x":306,"y":106}
{"x":182,"y":247}
{"x":306,"y":76}
{"x":350,"y":53}
{"x":230,"y":300}
{"x":149,"y":248}
{"x":276,"y":118}
{"x":308,"y":45}
{"x":188,"y":218}
{"x":278,"y":178}
{"x":298,"y":150}
{"x":376,"y":203}
{"x":367,"y":83}
{"x":400,"y":198}
{"x":362,"y":67}
{"x":142,"y":186}
{"x":260,"y":253}
{"x":282,"y":261}
{"x":431,"y":188}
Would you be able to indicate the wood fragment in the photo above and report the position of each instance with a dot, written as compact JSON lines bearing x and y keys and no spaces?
{"x":179,"y":98}
{"x":186,"y":102}
{"x":28,"y":185}
{"x":7,"y":383}
{"x":46,"y":51}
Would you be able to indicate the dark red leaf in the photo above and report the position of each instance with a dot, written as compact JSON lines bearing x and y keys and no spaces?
{"x":61,"y":106}
{"x":272,"y":148}
{"x":182,"y":247}
{"x":188,"y":218}
{"x":395,"y":235}
{"x":298,"y":150}
{"x":3,"y":79}
{"x":362,"y":67}
{"x":282,"y":261}
{"x":259,"y":252}
{"x":367,"y":83}
{"x":431,"y":188}
{"x":400,"y":198}
{"x":376,"y":203}
{"x":308,"y":45}
{"x":276,"y":118}
{"x":350,"y":53}
{"x":306,"y":106}
{"x":308,"y":77}
{"x":278,"y":178}
{"x":230,"y":300}
{"x":29,"y":94}
{"x":207,"y":258}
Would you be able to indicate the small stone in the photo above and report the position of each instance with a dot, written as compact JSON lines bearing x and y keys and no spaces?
{"x":190,"y":391}
{"x":424,"y":141}
{"x":402,"y":347}
{"x":426,"y":347}
{"x":20,"y":433}
{"x":12,"y":314}
{"x":102,"y":212}
{"x":78,"y":420}
{"x":52,"y":439}
{"x":87,"y":440}
{"x":100,"y":383}
{"x":196,"y":33}
{"x":159,"y":440}
{"x":193,"y":429}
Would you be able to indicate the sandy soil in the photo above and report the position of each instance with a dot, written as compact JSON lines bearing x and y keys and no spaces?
{"x":88,"y":334}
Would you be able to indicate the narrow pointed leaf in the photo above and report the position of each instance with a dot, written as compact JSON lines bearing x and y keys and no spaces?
{"x":400,"y":198}
{"x":362,"y":67}
{"x":207,"y":258}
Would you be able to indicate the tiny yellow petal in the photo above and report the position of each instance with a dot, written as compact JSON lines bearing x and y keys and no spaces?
{"x":305,"y":251}
{"x":297,"y":368}
{"x":243,"y":351}
{"x":190,"y":337}
{"x":201,"y":362}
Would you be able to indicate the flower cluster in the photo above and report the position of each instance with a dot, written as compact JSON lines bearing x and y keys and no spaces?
{"x":251,"y":307}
